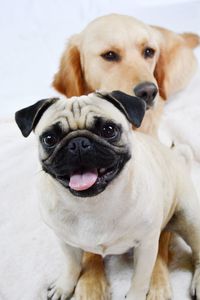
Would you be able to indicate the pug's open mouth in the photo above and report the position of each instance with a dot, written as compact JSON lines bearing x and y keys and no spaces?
{"x":87,"y":183}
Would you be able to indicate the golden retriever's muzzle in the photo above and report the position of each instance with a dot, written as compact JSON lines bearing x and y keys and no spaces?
{"x":85,"y":164}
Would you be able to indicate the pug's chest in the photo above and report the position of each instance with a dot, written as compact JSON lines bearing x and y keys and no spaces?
{"x":97,"y":234}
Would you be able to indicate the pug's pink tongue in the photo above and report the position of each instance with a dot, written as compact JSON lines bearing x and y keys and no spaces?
{"x":83,"y":181}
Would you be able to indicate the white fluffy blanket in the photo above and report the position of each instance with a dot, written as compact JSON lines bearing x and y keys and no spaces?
{"x":29,"y":255}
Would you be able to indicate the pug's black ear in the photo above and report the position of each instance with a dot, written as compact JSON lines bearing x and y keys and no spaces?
{"x":27,"y":118}
{"x":132,"y":107}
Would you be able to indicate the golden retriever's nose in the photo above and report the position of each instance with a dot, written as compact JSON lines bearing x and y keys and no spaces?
{"x":147,"y":91}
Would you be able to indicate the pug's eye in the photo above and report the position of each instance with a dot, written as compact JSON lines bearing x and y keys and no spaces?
{"x":110,"y":56}
{"x":50,"y":140}
{"x":109,"y":131}
{"x":148,"y":52}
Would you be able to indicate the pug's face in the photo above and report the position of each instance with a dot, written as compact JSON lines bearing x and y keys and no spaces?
{"x":84,"y":142}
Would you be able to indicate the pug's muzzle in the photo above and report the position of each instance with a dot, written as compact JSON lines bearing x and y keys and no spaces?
{"x":85,"y":163}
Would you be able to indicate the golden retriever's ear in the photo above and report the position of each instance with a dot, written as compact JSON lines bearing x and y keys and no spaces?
{"x":69,"y":80}
{"x":176,"y":63}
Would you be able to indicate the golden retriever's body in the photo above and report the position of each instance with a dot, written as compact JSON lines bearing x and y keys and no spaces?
{"x":85,"y":67}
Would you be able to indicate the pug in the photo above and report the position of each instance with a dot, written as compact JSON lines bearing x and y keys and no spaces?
{"x":105,"y":188}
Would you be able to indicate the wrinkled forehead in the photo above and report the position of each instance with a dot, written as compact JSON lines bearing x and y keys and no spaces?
{"x":117,"y":30}
{"x":79,"y":113}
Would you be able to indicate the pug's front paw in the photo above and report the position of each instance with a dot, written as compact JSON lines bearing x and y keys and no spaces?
{"x":133,"y":295}
{"x":195,"y":286}
{"x":59,"y":290}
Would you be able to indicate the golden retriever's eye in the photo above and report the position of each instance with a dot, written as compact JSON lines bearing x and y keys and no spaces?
{"x":148,"y":52}
{"x":110,"y":56}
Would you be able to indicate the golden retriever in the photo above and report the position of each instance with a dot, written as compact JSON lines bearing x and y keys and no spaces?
{"x":117,"y":52}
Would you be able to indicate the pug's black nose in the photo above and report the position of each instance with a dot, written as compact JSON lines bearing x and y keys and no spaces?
{"x":147,"y":91}
{"x":79,"y":144}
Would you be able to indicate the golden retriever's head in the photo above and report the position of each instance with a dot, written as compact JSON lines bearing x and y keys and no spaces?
{"x":120,"y":52}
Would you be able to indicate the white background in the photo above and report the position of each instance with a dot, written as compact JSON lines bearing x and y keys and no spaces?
{"x":33,"y":34}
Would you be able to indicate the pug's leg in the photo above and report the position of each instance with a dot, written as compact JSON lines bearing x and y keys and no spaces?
{"x":191,"y":235}
{"x":186,"y":222}
{"x":144,"y":261}
{"x":92,"y":284}
{"x":63,"y":287}
{"x":160,"y":288}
